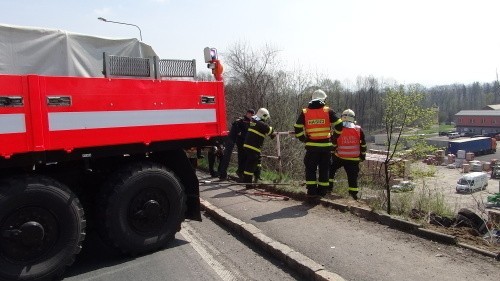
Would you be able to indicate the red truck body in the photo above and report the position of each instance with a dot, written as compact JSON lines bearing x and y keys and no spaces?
{"x":103,"y":112}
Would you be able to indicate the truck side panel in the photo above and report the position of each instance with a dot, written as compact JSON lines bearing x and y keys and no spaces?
{"x":14,"y":126}
{"x":475,"y":145}
{"x":74,"y":112}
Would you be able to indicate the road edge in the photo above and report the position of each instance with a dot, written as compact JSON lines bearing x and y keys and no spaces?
{"x":297,"y":261}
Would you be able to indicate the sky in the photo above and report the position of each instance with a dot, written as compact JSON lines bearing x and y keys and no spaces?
{"x":430,"y":42}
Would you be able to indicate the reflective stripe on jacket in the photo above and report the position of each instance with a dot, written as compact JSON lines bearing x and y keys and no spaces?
{"x":348,"y":143}
{"x":257,"y":131}
{"x":317,"y":123}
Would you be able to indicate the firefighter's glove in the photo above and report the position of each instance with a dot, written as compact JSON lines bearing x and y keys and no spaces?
{"x":362,"y":157}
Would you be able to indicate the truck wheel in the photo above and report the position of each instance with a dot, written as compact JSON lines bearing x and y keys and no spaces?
{"x":141,"y":208}
{"x":42,"y":227}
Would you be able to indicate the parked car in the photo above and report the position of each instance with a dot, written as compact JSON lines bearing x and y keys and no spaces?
{"x":495,"y":171}
{"x":472,"y":181}
{"x":453,"y":135}
{"x":403,"y":186}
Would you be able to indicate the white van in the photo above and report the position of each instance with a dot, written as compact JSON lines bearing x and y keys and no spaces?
{"x":453,"y":135}
{"x":472,"y":181}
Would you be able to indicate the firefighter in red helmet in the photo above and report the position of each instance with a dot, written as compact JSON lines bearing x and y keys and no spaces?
{"x":313,"y":127}
{"x":349,"y":151}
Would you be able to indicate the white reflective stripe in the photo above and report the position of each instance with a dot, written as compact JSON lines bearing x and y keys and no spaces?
{"x":310,"y":130}
{"x":346,"y":153}
{"x":115,"y":119}
{"x":12,"y":123}
{"x":349,"y":146}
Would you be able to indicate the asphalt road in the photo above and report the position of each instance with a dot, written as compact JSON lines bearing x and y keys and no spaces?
{"x":201,"y":251}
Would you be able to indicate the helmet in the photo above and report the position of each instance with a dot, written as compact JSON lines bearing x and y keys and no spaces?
{"x":263,"y":114}
{"x":348,"y":115}
{"x":319,"y":95}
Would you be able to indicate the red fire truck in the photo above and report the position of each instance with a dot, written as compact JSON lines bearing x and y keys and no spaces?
{"x":93,"y":134}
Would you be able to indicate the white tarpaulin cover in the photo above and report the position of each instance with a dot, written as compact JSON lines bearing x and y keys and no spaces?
{"x":31,"y":50}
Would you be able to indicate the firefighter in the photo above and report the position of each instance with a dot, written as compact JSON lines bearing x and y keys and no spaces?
{"x":242,"y":124}
{"x":313,"y":127}
{"x":349,"y":151}
{"x":236,"y":136}
{"x":254,"y":140}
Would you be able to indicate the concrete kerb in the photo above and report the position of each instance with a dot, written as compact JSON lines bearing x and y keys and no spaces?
{"x":324,"y":275}
{"x":436,"y":236}
{"x":404,"y":225}
{"x":229,"y":221}
{"x":295,"y":260}
{"x":304,"y":265}
{"x":496,"y":256}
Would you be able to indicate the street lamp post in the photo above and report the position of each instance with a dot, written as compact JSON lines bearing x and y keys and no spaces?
{"x":105,"y":20}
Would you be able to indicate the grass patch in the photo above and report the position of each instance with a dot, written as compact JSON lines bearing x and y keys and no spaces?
{"x":423,"y":198}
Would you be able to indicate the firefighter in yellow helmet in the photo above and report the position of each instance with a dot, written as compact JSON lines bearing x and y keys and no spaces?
{"x":313,"y":127}
{"x":349,"y":151}
{"x":254,"y":139}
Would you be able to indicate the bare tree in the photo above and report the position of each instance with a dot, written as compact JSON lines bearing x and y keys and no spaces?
{"x":250,"y":74}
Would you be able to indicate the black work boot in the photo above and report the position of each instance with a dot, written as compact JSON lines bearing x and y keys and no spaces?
{"x":322,"y":191}
{"x":312,"y":191}
{"x":354,"y":194}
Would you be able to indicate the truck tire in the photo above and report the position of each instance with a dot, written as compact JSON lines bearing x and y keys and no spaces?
{"x":140,"y":208}
{"x":42,"y":227}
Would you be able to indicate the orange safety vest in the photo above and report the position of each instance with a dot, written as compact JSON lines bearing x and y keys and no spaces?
{"x":348,"y":145}
{"x":317,"y":123}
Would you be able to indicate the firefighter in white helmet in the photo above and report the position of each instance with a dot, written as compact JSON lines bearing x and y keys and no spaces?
{"x":257,"y":131}
{"x":349,"y":151}
{"x":313,"y":127}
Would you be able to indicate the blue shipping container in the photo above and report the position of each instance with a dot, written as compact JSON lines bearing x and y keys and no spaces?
{"x":479,"y":145}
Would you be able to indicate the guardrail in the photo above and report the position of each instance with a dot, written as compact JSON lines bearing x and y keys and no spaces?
{"x":152,"y":68}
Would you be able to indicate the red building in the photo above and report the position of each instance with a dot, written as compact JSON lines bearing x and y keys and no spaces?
{"x":478,"y":122}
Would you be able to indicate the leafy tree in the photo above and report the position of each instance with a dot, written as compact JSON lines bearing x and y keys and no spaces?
{"x":402,"y":109}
